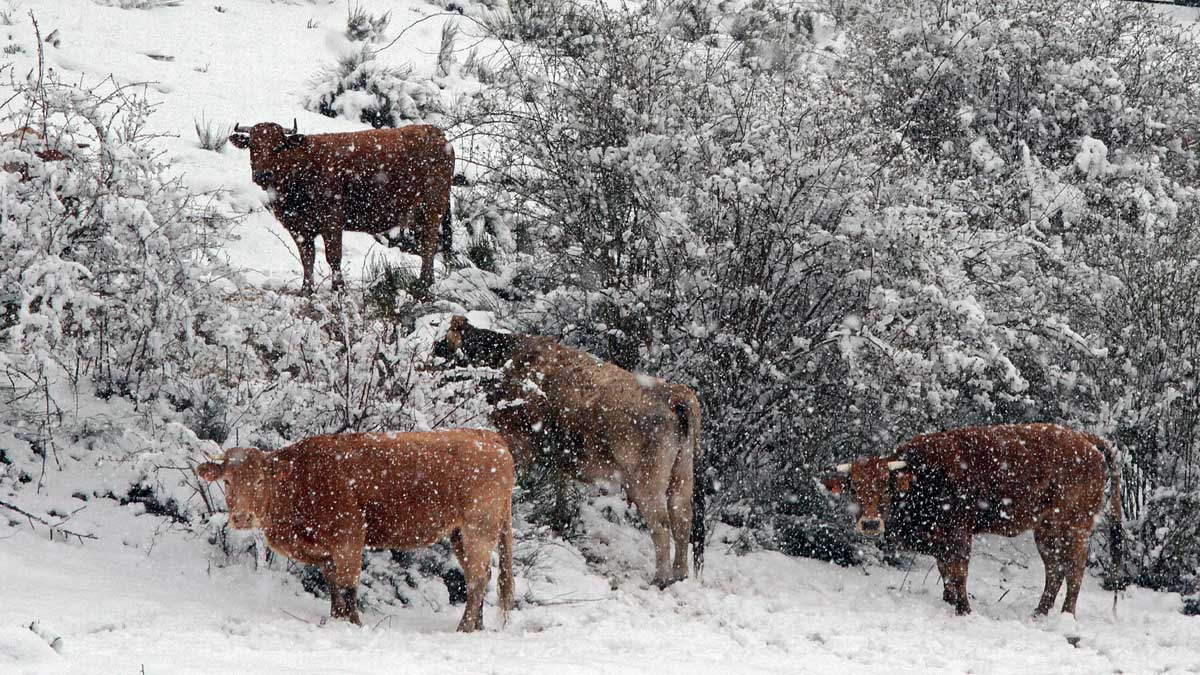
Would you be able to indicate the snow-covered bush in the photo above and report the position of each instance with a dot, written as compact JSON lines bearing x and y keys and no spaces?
{"x":1060,"y":147}
{"x":360,"y":87}
{"x":1167,"y":556}
{"x":99,"y":248}
{"x":955,"y":221}
{"x":116,"y":306}
{"x":363,"y":26}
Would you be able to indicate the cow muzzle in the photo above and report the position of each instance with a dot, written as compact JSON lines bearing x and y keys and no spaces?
{"x":264,"y":178}
{"x":872,"y":527}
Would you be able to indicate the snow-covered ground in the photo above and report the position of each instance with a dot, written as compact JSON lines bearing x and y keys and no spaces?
{"x":143,"y":595}
{"x":148,"y":594}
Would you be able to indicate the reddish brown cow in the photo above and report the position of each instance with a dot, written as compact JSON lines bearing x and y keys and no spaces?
{"x":598,"y":422}
{"x":393,"y":182}
{"x":936,"y":491}
{"x":324,"y":499}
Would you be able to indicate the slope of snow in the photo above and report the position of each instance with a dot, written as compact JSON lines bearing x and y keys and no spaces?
{"x":150,"y":594}
{"x":142,"y":595}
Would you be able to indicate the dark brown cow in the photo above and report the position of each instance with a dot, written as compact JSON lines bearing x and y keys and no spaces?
{"x":393,"y":182}
{"x":936,"y":491}
{"x":324,"y":499}
{"x":598,"y":422}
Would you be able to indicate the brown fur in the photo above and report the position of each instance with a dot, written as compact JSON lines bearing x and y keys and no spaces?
{"x":29,"y":136}
{"x":323,"y":500}
{"x":383,"y":181}
{"x":598,"y":422}
{"x":1005,"y":479}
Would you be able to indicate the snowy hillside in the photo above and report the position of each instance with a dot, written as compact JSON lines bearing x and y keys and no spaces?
{"x":150,"y":585}
{"x":140,"y":598}
{"x":220,"y":64}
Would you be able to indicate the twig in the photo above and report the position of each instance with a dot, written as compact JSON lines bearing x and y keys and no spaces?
{"x":298,"y":618}
{"x":556,"y":603}
{"x":1001,"y":598}
{"x":52,"y":526}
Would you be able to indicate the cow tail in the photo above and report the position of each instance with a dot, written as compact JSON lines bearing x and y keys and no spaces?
{"x":507,"y":585}
{"x":447,"y":231}
{"x":1116,"y":530}
{"x":687,"y":412}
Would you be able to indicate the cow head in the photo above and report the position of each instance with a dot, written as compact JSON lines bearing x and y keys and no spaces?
{"x":874,"y":482}
{"x":465,"y":344}
{"x":265,"y":141}
{"x":249,"y":476}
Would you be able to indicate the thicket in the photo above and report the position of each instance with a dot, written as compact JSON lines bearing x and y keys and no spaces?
{"x":842,"y":225}
{"x":848,"y":225}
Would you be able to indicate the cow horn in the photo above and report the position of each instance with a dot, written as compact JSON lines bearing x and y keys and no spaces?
{"x":295,"y":127}
{"x":899,"y":464}
{"x":843,"y":468}
{"x":238,"y":128}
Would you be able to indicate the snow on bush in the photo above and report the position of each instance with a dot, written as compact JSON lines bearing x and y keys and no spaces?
{"x":115,"y":300}
{"x":360,"y":87}
{"x":957,"y":220}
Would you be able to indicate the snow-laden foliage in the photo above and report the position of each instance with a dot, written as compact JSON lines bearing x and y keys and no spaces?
{"x":112,"y":290}
{"x":358,"y":86}
{"x":951,"y":214}
{"x":99,"y":248}
{"x":1058,"y":135}
{"x":129,"y":347}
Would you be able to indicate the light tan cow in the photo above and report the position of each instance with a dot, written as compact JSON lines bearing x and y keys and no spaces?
{"x":323,"y":500}
{"x":599,"y":422}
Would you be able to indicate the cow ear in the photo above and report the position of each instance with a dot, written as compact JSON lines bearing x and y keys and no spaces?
{"x":210,"y":471}
{"x":279,"y":470}
{"x":240,"y":140}
{"x":835,"y":484}
{"x":294,"y":140}
{"x":904,"y":480}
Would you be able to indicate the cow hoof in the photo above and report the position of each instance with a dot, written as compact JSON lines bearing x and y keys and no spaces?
{"x":962,"y":610}
{"x":661,"y":584}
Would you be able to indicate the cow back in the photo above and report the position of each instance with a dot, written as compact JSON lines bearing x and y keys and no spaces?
{"x":999,"y":479}
{"x":584,"y":403}
{"x":379,"y":179}
{"x":407,"y":489}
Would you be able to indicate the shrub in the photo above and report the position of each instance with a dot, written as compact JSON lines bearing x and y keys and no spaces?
{"x":359,"y":87}
{"x":362,"y":26}
{"x":211,"y":136}
{"x":964,"y":218}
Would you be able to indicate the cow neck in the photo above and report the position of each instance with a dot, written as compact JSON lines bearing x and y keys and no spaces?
{"x":274,"y":521}
{"x":491,"y":348}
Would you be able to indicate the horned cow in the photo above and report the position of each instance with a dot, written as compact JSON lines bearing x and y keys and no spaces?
{"x":324,"y":499}
{"x":598,"y":422}
{"x":937,"y":490}
{"x":393,"y":182}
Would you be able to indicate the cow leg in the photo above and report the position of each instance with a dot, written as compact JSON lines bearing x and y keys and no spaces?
{"x":333,"y":255}
{"x":958,"y":572}
{"x":307,"y":245}
{"x":1050,"y":545}
{"x":953,"y":563}
{"x":341,"y":572}
{"x":342,"y":577}
{"x":949,"y":590}
{"x":429,"y":223}
{"x":679,"y":510}
{"x":476,"y":561}
{"x":1075,"y":560}
{"x":652,"y":504}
